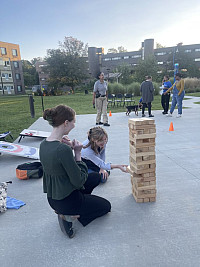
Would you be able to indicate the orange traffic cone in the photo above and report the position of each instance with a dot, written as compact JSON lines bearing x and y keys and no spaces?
{"x":110,"y":114}
{"x":171,"y":127}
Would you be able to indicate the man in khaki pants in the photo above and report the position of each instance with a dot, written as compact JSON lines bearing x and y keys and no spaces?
{"x":100,"y":99}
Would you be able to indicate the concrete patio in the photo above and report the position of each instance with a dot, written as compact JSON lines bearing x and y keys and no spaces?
{"x":163,"y":233}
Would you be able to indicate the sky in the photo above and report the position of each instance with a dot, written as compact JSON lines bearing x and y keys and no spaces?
{"x":40,"y":24}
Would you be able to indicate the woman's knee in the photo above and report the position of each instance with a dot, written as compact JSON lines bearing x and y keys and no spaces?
{"x":94,"y":178}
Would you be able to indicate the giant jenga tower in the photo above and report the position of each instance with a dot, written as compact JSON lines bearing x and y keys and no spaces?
{"x":142,"y":134}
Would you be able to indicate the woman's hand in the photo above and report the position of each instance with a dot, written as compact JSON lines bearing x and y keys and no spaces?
{"x":104,"y":173}
{"x":77,"y":146}
{"x":67,"y":141}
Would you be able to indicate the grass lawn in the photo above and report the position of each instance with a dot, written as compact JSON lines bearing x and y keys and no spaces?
{"x":15,"y":111}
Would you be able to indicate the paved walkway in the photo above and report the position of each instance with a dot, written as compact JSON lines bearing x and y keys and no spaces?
{"x":164,"y":233}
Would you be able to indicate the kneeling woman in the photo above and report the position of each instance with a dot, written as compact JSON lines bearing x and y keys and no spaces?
{"x":93,"y":153}
{"x":66,"y":180}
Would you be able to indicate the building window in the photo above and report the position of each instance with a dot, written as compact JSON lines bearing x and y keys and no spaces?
{"x":3,"y":51}
{"x":160,"y":62}
{"x":161,"y":53}
{"x":116,"y":58}
{"x":10,"y":75}
{"x":136,"y":56}
{"x":16,"y":64}
{"x":126,"y":57}
{"x":197,"y":59}
{"x":41,"y":66}
{"x":19,"y":88}
{"x":14,"y":52}
{"x":43,"y":79}
{"x":197,"y":50}
{"x":17,"y":76}
{"x":107,"y":59}
{"x":188,"y":51}
{"x":6,"y":63}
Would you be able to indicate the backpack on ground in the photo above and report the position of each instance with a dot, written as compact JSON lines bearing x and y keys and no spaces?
{"x":29,"y":170}
{"x":3,"y":195}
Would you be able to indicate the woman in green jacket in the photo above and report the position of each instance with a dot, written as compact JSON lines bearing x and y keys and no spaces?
{"x":66,"y":180}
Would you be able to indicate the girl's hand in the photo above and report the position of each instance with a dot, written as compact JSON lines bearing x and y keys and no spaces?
{"x":123,"y":168}
{"x":104,"y":173}
{"x":67,"y":141}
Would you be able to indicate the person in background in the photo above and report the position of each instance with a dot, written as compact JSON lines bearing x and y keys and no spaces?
{"x":147,"y":89}
{"x":100,"y":94}
{"x":178,"y":95}
{"x":65,"y":179}
{"x":93,"y":153}
{"x":165,"y":97}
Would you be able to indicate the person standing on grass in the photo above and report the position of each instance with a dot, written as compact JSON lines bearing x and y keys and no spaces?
{"x":147,"y":89}
{"x":66,"y":180}
{"x":165,"y":97}
{"x":100,"y":94}
{"x":178,"y":95}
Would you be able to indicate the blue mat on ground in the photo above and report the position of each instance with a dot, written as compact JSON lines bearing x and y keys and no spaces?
{"x":12,"y":203}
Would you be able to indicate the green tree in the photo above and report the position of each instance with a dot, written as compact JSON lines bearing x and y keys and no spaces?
{"x":158,"y":45}
{"x":66,"y":65}
{"x":112,"y":50}
{"x":126,"y":76}
{"x":74,"y":47}
{"x":146,"y":67}
{"x":30,"y":74}
{"x":121,"y":49}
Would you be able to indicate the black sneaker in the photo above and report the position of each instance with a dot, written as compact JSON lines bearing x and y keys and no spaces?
{"x":97,"y":123}
{"x":143,"y":115}
{"x":150,"y":116}
{"x":66,"y":227}
{"x":100,"y":123}
{"x":106,"y":124}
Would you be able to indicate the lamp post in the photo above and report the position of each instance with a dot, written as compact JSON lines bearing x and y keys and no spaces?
{"x":175,"y":65}
{"x":108,"y":70}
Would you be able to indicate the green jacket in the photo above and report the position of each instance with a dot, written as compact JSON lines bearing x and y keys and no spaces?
{"x":62,"y":174}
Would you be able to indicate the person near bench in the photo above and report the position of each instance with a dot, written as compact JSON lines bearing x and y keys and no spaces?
{"x":100,"y":94}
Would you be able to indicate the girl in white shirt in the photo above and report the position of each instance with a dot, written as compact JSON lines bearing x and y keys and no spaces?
{"x":93,"y":153}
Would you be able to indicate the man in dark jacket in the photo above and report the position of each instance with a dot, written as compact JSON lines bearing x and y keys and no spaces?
{"x":147,"y":95}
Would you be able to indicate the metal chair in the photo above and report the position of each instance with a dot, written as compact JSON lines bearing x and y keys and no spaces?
{"x":128,"y":100}
{"x":111,"y":100}
{"x":119,"y":100}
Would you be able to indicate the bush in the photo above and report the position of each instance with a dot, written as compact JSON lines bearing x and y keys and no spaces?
{"x":192,"y":85}
{"x":157,"y":88}
{"x":115,"y":88}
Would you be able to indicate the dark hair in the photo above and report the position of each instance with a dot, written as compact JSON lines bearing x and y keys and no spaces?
{"x":148,"y":77}
{"x":98,"y":74}
{"x":178,"y":74}
{"x":167,"y":76}
{"x":95,"y":134}
{"x":58,"y":115}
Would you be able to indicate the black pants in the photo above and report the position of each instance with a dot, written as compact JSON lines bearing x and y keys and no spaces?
{"x":144,"y":105}
{"x":165,"y":102}
{"x":81,"y":202}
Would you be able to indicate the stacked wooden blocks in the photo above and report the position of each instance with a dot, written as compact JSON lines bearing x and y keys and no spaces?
{"x":142,"y":134}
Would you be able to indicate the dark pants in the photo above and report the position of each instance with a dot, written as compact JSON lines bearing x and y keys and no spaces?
{"x":144,"y":105}
{"x":81,"y":202}
{"x":165,"y":102}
